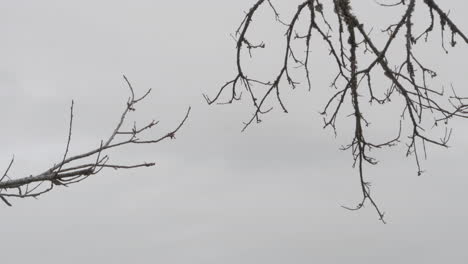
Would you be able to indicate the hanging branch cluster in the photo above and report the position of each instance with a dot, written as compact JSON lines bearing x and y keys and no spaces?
{"x":348,"y":41}
{"x":73,"y":169}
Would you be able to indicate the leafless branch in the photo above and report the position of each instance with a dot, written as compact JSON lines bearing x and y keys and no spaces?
{"x":76,"y":168}
{"x":409,"y":78}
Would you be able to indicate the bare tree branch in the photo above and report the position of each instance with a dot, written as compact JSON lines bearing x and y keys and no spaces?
{"x":77,"y":168}
{"x":409,"y":78}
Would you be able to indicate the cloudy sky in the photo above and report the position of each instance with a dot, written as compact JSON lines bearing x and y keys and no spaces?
{"x":269,"y":195}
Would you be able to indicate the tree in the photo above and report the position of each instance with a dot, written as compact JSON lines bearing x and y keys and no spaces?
{"x":350,"y":41}
{"x":73,"y":169}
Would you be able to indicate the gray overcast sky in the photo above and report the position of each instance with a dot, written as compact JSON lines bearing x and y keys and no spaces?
{"x":269,"y":195}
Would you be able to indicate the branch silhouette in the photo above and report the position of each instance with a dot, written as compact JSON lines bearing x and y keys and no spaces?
{"x":73,"y":169}
{"x":349,"y":40}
